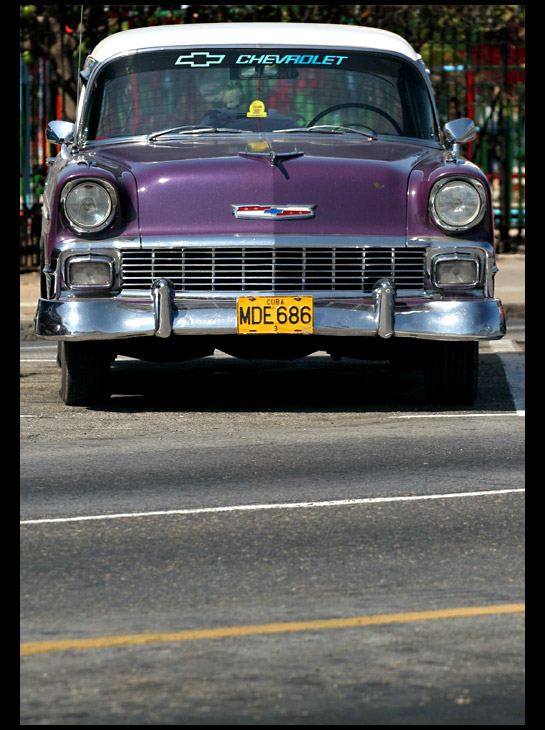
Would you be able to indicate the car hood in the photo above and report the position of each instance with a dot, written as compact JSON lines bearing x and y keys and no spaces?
{"x":356,"y":186}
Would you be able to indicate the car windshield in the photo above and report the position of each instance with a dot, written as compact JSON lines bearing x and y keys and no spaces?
{"x":258,"y":91}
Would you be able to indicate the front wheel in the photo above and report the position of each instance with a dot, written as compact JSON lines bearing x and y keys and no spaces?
{"x":85,"y":373}
{"x":451,"y":372}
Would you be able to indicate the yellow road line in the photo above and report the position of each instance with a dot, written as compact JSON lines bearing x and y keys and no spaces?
{"x":41,"y":647}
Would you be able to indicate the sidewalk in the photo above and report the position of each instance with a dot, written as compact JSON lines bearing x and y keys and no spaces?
{"x":509,"y":288}
{"x":510,"y":284}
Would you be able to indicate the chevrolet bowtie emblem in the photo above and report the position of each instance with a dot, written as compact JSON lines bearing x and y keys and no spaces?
{"x":273,"y":211}
{"x":199,"y":59}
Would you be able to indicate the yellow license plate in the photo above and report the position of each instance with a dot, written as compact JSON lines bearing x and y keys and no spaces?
{"x":275,"y":315}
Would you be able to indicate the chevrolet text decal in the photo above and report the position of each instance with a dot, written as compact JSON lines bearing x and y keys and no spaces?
{"x":203,"y":59}
{"x":271,"y":59}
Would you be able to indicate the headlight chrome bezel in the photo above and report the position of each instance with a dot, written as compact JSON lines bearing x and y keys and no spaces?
{"x":111,"y":211}
{"x":439,"y":187}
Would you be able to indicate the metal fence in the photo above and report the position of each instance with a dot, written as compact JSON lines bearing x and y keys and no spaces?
{"x":476,"y":57}
{"x":475,"y":54}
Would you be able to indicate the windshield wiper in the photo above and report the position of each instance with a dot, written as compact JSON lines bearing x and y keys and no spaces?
{"x":328,"y":129}
{"x":192,"y":129}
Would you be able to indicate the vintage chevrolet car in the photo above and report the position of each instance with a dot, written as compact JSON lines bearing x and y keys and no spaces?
{"x":268,"y":190}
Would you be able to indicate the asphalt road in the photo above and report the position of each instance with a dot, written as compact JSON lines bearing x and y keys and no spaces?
{"x":191,"y":534}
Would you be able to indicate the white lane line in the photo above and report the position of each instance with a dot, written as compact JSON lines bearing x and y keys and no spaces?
{"x":279,"y":505}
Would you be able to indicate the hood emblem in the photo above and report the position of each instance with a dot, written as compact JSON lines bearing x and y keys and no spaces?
{"x":273,"y":211}
{"x":263,"y":152}
{"x":255,"y":152}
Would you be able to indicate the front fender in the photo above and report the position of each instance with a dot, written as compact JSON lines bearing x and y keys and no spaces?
{"x":421,"y":181}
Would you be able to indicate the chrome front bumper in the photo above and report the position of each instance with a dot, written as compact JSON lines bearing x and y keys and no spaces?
{"x":163,"y":315}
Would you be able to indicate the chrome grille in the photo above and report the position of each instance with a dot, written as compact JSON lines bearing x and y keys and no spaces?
{"x":271,"y":269}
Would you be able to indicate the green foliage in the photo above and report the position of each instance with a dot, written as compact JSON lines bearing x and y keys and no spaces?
{"x":417,"y":23}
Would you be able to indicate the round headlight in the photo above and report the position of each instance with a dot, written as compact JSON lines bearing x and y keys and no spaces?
{"x":457,"y":204}
{"x":88,"y":205}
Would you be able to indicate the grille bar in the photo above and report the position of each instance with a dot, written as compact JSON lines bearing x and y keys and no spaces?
{"x":331,"y":269}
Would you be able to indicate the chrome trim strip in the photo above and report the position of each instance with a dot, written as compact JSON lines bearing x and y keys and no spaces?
{"x":339,"y":239}
{"x":287,"y":240}
{"x":144,"y":295}
{"x":91,"y":245}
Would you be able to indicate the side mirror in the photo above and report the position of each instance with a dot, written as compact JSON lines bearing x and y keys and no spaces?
{"x":60,"y":132}
{"x":458,"y":132}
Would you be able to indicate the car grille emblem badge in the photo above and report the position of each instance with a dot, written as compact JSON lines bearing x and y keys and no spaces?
{"x":265,"y":212}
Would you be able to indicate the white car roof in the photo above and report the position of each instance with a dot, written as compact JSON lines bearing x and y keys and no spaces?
{"x":248,"y":34}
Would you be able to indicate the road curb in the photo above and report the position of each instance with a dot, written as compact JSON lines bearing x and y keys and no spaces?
{"x":26,"y":331}
{"x":514,"y":310}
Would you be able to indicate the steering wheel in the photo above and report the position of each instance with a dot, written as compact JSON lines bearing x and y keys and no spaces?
{"x":359,"y":105}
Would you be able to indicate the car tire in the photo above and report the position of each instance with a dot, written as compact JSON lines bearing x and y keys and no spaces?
{"x":85,"y":373}
{"x":451,"y":372}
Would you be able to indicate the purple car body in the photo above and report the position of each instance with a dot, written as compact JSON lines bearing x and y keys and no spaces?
{"x":268,"y":190}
